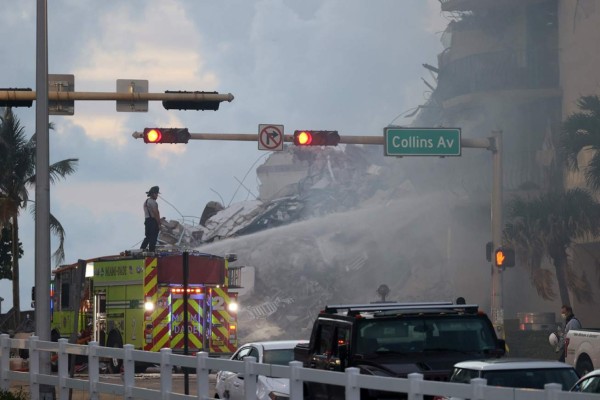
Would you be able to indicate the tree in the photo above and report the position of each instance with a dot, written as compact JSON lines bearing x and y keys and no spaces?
{"x":17,"y":176}
{"x":547,"y":225}
{"x":6,"y":252}
{"x":582,"y":130}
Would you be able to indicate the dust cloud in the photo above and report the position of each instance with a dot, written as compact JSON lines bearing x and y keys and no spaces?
{"x":424,"y":248}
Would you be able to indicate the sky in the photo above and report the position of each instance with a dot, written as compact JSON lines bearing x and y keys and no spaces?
{"x":347,"y":65}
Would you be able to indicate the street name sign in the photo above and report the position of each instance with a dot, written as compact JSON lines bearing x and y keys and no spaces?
{"x":441,"y":142}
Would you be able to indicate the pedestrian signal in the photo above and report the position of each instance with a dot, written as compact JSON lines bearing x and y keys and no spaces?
{"x":504,"y":257}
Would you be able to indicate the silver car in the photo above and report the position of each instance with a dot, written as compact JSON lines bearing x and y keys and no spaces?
{"x":589,"y":383}
{"x":230,"y":385}
{"x":515,"y":373}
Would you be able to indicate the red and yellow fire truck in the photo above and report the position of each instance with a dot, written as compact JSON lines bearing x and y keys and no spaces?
{"x":138,"y":298}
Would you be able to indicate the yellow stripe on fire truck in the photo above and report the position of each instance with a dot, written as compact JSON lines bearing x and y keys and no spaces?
{"x":195,"y":317}
{"x":221,"y":320}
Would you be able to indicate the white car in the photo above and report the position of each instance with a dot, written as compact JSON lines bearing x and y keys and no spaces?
{"x":515,"y":373}
{"x":589,"y":383}
{"x":230,"y":385}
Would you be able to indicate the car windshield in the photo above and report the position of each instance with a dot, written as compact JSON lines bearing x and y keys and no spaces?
{"x":589,"y":385}
{"x":418,"y":334}
{"x":531,"y":378}
{"x":279,"y":357}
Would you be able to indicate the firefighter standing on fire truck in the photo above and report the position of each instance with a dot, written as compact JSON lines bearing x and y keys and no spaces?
{"x":152,"y":219}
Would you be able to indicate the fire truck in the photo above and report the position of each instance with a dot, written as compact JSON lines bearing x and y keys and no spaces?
{"x":140,"y":298}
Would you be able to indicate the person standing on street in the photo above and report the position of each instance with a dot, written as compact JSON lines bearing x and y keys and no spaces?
{"x":571,"y":322}
{"x":152,"y":219}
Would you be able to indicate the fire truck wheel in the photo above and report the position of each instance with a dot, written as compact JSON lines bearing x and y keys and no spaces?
{"x":114,"y":340}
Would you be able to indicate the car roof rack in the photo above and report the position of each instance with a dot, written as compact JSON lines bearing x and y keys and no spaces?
{"x":378,"y":307}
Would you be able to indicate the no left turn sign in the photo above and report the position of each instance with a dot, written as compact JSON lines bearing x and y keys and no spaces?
{"x":270,"y":137}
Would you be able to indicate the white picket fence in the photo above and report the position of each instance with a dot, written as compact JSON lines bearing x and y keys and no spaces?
{"x":352,"y":380}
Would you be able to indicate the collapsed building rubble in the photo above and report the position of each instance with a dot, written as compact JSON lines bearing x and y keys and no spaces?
{"x":334,"y":179}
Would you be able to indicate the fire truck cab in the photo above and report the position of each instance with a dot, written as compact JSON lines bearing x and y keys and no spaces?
{"x":139,"y":298}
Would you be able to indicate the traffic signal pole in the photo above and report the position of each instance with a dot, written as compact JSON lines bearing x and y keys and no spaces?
{"x":496,"y":207}
{"x":20,"y":95}
{"x":42,"y":200}
{"x":253,"y":137}
{"x":493,"y":144}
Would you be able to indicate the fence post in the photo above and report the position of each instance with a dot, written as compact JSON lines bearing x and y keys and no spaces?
{"x":250,"y":378}
{"x":202,"y":372}
{"x":129,"y":370}
{"x":63,"y":368}
{"x":352,"y":390}
{"x":166,"y":373}
{"x":34,"y":368}
{"x":4,"y":361}
{"x":296,"y":384}
{"x":415,"y":381}
{"x":93,"y":369}
{"x":552,"y":390}
{"x":477,"y":385}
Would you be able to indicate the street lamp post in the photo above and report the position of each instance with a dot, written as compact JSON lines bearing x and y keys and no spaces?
{"x":42,"y":196}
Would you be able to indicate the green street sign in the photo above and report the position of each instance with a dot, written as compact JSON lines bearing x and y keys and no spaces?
{"x":441,"y":142}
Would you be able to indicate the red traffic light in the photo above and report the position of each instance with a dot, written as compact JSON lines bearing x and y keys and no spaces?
{"x":316,"y":138}
{"x":504,"y":257}
{"x":302,"y":138}
{"x":166,"y":135}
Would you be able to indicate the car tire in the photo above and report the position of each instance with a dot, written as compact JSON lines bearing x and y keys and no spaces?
{"x":584,"y":365}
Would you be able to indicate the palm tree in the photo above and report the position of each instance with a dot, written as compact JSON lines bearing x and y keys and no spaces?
{"x":582,"y":130}
{"x":17,"y":176}
{"x":547,"y":225}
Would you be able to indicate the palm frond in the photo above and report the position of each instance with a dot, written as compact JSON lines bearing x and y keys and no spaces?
{"x":580,"y":129}
{"x":62,"y":168}
{"x":57,"y":229}
{"x":543,"y":281}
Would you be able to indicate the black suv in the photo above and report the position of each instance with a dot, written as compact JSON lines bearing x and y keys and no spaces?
{"x":396,"y":339}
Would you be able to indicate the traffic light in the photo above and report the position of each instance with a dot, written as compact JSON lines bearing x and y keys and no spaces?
{"x":166,"y":135}
{"x":504,"y":257}
{"x":16,"y":103}
{"x":191,"y":104}
{"x":488,"y":251}
{"x":316,"y":138}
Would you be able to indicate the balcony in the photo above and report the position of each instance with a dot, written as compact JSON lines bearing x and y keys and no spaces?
{"x":498,"y":71}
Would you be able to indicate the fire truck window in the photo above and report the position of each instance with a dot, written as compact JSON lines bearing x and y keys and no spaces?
{"x":64,"y":296}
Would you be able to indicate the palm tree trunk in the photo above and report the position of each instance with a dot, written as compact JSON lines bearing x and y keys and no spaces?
{"x":15,"y":271}
{"x":560,"y":264}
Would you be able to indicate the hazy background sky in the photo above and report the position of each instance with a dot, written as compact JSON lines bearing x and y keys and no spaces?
{"x":348,"y":65}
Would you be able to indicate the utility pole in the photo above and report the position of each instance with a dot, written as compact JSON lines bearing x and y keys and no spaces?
{"x":42,"y":199}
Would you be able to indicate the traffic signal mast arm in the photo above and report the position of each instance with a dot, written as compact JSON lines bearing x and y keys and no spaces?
{"x":25,"y":95}
{"x":483,"y":143}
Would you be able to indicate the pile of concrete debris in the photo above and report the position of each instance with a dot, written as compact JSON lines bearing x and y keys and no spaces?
{"x":296,"y":184}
